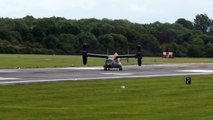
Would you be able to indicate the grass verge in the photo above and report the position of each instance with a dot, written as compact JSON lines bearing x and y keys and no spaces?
{"x":161,"y":98}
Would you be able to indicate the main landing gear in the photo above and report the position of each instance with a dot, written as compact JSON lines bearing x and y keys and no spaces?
{"x":120,"y":69}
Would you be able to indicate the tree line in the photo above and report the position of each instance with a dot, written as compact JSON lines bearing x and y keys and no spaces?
{"x":57,"y":35}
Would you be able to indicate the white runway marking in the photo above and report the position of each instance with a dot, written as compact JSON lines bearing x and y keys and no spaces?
{"x":1,"y":78}
{"x":197,"y":71}
{"x":117,"y":74}
{"x":8,"y":71}
{"x":168,"y":65}
{"x":81,"y":68}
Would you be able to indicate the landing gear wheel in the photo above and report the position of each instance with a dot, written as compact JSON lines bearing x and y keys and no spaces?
{"x":120,"y":69}
{"x":106,"y":69}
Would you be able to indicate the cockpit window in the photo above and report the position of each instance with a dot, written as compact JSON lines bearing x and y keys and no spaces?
{"x":109,"y":61}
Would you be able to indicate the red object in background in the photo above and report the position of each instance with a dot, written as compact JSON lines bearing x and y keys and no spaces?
{"x":115,"y":54}
{"x":167,"y":55}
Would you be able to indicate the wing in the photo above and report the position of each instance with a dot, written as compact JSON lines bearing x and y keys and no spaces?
{"x":127,"y":56}
{"x":97,"y":55}
{"x":138,"y":56}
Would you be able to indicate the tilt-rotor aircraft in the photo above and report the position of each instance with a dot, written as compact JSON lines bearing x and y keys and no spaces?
{"x":112,"y":61}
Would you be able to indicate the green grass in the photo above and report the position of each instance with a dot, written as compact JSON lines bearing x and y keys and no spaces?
{"x":148,"y":60}
{"x":162,"y":98}
{"x":29,"y":61}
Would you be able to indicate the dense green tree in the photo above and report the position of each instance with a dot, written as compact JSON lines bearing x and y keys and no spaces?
{"x":101,"y":29}
{"x":15,"y":35}
{"x":120,"y":43}
{"x":184,"y":38}
{"x":210,"y":30}
{"x":195,"y":51}
{"x":51,"y":42}
{"x":209,"y":49}
{"x":7,"y":47}
{"x":38,"y":33}
{"x":69,"y":43}
{"x":197,"y":41}
{"x":4,"y":34}
{"x":90,"y":39}
{"x":202,"y":22}
{"x":186,"y":23}
{"x":68,"y":28}
{"x":149,"y":43}
{"x":106,"y":42}
{"x":57,"y":35}
{"x":30,"y":21}
{"x":178,"y":50}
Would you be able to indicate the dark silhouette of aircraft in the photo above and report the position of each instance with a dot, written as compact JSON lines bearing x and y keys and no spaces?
{"x":112,"y":61}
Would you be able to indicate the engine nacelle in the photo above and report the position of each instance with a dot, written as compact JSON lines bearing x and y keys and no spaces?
{"x":84,"y":57}
{"x":139,"y":55}
{"x":84,"y":54}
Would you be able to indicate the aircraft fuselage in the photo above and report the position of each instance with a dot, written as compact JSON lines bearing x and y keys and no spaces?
{"x":111,"y":62}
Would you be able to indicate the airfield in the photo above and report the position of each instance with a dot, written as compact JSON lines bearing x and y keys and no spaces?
{"x":17,"y":76}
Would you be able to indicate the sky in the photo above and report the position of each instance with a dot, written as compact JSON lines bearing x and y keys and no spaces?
{"x":138,"y":11}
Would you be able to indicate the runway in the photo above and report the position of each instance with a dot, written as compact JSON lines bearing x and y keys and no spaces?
{"x":15,"y":76}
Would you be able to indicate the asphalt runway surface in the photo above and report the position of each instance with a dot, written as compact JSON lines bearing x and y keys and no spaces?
{"x":15,"y":76}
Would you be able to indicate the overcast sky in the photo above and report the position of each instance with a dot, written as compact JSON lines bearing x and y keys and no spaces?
{"x":140,"y":11}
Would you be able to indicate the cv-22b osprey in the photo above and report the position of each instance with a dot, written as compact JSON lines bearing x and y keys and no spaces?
{"x":112,"y":61}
